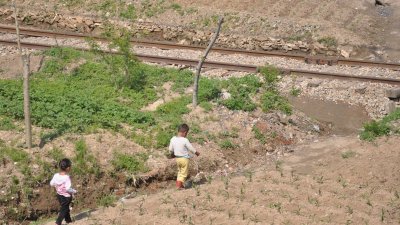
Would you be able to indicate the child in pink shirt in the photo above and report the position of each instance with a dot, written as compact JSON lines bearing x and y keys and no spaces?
{"x":62,"y":182}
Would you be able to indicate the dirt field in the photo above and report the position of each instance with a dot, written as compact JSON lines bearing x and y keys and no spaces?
{"x":338,"y":180}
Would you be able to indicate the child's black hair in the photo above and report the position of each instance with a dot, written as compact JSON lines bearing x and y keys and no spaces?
{"x":64,"y":164}
{"x":183,"y":128}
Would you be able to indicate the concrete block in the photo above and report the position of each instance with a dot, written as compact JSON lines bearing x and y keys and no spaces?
{"x":360,"y":90}
{"x":393,"y":93}
{"x":390,"y":107}
{"x":314,"y":83}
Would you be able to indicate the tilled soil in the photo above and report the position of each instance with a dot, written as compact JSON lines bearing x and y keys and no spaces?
{"x":338,"y":180}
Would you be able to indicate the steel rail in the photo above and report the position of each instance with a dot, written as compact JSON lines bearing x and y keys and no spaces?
{"x":226,"y":66}
{"x":169,"y":46}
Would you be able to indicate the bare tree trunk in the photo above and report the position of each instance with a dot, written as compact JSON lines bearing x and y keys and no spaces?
{"x":26,"y":71}
{"x":27,"y":104}
{"x":201,"y":62}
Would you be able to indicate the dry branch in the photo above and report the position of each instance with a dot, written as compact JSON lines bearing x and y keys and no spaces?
{"x":201,"y":62}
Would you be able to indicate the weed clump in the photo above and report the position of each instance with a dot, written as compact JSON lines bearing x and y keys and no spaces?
{"x":227,"y":144}
{"x":328,"y":41}
{"x":6,"y":124}
{"x":271,"y":99}
{"x":348,"y":154}
{"x":375,"y":129}
{"x":84,"y":162}
{"x":130,"y":163}
{"x":107,"y":200}
{"x":241,"y":90}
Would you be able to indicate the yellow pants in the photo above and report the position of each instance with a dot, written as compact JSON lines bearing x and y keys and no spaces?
{"x":183,"y":169}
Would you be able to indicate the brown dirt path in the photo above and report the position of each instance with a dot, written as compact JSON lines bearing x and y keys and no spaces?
{"x":338,"y":180}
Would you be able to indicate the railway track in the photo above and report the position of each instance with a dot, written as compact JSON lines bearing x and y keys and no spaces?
{"x":226,"y":66}
{"x":169,"y":45}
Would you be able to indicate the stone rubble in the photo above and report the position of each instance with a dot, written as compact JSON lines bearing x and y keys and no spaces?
{"x":178,"y":34}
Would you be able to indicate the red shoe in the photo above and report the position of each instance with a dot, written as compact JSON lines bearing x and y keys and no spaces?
{"x":179,"y":185}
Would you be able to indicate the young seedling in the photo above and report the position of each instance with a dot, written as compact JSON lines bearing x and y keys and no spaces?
{"x":278,"y":167}
{"x":369,"y":202}
{"x":396,"y":194}
{"x":293,"y":177}
{"x":277,"y":206}
{"x":249,"y":176}
{"x":141,"y":208}
{"x":230,"y":215}
{"x":209,"y":199}
{"x":348,"y":154}
{"x":298,"y":211}
{"x":349,"y":210}
{"x":320,"y":179}
{"x":313,"y":201}
{"x":342,"y":181}
{"x":254,"y":202}
{"x":209,"y":179}
{"x":226,"y":182}
{"x":190,"y":221}
{"x":254,"y":218}
{"x":197,"y":189}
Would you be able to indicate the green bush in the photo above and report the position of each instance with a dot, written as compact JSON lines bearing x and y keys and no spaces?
{"x":129,"y":12}
{"x":130,"y":163}
{"x":84,"y":162}
{"x":259,"y":135}
{"x":273,"y":101}
{"x":175,"y":108}
{"x":375,"y":129}
{"x":328,"y":41}
{"x":163,"y":137}
{"x":239,"y":103}
{"x":227,"y":144}
{"x":107,"y":200}
{"x":56,"y":154}
{"x":270,"y":74}
{"x":206,"y":106}
{"x":6,"y":124}
{"x":295,"y":92}
{"x":241,"y":89}
{"x":348,"y":154}
{"x":208,"y":90}
{"x":16,"y":155}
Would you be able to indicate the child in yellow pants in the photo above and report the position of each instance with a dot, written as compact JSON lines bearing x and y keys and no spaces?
{"x":179,"y":148}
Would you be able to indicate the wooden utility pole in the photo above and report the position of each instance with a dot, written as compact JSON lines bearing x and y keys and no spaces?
{"x":201,"y":62}
{"x":26,"y":71}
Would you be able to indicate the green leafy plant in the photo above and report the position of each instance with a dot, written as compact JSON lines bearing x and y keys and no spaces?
{"x":259,"y":135}
{"x":107,"y":200}
{"x":295,"y":92}
{"x":206,"y":106}
{"x":348,"y":154}
{"x":129,"y":12}
{"x":241,"y":90}
{"x":227,"y":144}
{"x":273,"y":101}
{"x":130,"y":163}
{"x":375,"y":129}
{"x":84,"y":162}
{"x":6,"y":124}
{"x":328,"y":41}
